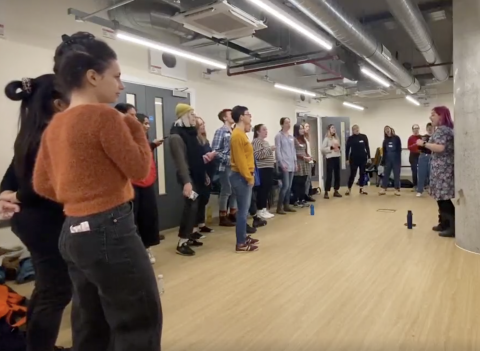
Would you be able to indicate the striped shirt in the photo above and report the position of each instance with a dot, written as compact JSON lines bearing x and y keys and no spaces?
{"x":263,"y":153}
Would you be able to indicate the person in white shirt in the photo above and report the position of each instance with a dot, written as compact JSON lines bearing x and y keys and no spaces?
{"x":331,"y":150}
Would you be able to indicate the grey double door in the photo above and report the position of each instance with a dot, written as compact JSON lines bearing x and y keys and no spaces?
{"x":159,"y":105}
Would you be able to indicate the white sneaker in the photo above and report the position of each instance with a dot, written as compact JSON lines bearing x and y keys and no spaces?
{"x":419,"y":194}
{"x":268,"y":213}
{"x":151,"y":257}
{"x":263,"y":214}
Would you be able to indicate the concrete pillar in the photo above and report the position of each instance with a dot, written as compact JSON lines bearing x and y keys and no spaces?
{"x":466,"y":58}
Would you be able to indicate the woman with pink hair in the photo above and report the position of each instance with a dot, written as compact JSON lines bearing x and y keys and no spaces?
{"x":442,"y":180}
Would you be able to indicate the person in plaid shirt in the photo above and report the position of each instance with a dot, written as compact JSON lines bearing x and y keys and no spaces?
{"x":221,"y":144}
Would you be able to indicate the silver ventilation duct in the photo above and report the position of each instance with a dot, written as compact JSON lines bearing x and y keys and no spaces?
{"x":353,"y":35}
{"x":409,"y":16}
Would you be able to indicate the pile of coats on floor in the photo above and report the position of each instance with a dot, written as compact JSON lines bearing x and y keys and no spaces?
{"x":15,"y":265}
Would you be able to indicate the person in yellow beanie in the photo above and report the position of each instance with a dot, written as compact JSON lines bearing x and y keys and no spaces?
{"x":182,"y":110}
{"x":187,"y":155}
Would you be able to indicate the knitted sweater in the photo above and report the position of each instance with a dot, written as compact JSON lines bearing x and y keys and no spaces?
{"x":87,"y":157}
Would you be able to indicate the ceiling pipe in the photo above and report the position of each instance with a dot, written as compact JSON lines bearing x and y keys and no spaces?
{"x":434,"y":65}
{"x":348,"y":30}
{"x":411,"y":19}
{"x":282,"y":65}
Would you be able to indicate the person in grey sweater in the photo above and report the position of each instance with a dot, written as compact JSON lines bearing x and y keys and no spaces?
{"x":187,"y":154}
{"x":331,"y":150}
{"x":287,"y":164}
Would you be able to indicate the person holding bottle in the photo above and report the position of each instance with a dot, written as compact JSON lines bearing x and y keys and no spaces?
{"x":331,"y":150}
{"x":392,"y":159}
{"x":424,"y":162}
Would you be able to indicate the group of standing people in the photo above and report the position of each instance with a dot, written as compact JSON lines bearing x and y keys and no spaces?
{"x":69,"y":194}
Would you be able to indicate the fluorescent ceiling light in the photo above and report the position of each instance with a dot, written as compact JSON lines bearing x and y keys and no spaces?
{"x":311,"y":16}
{"x":294,"y":90}
{"x":357,"y":107}
{"x":158,"y":103}
{"x":293,"y":24}
{"x":412,"y":100}
{"x":375,"y":77}
{"x":168,"y":49}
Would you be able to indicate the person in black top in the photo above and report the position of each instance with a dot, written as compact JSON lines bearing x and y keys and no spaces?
{"x":392,"y":160}
{"x":424,"y":162}
{"x":358,"y":153}
{"x":39,"y":222}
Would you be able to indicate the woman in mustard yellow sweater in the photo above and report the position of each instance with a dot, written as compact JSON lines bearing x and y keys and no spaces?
{"x":242,"y":178}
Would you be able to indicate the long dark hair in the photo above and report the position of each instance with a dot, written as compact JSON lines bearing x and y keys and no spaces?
{"x":297,"y":135}
{"x":76,"y":55}
{"x":37,"y":108}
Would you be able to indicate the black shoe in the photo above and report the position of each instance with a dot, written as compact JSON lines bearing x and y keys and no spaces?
{"x":337,"y":194}
{"x":250,"y":230}
{"x":346,"y":193}
{"x":193,"y":242}
{"x":185,"y":250}
{"x":197,"y":236}
{"x":161,"y":237}
{"x":206,"y":230}
{"x":309,"y":199}
{"x":224,"y":221}
{"x":303,"y":203}
{"x":449,"y":232}
{"x":298,"y":204}
{"x":363,"y":192}
{"x":258,"y":222}
{"x":440,"y":227}
{"x":232,"y":218}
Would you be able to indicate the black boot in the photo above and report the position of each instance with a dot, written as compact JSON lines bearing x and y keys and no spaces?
{"x":442,"y":224}
{"x":448,"y":232}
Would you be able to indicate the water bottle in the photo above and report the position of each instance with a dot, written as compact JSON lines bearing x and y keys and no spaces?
{"x":409,"y":220}
{"x":312,"y":210}
{"x":161,"y":287}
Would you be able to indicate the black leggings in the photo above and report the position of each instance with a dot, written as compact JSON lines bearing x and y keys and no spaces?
{"x":263,"y":190}
{"x":354,"y":166}
{"x":202,"y":200}
{"x":298,"y":188}
{"x":446,"y":207}
{"x":146,"y":215}
{"x":333,"y":168}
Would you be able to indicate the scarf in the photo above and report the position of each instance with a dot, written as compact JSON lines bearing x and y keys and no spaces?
{"x":194,"y":152}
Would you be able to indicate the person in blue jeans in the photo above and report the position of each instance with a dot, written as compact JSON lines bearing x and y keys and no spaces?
{"x":287,"y":163}
{"x":424,"y":162}
{"x":242,"y":177}
{"x":392,"y":158}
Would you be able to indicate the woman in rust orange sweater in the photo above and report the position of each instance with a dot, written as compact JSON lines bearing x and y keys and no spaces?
{"x":88,"y":155}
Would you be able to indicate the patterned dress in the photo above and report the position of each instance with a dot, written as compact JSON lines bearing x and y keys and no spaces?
{"x":304,"y":168}
{"x":442,"y":177}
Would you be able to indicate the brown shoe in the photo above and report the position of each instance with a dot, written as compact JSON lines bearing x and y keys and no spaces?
{"x":246,"y":248}
{"x":280,"y":210}
{"x":232,"y":218}
{"x":225,"y":222}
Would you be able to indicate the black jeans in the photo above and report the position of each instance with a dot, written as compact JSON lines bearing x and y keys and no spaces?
{"x":253,"y":202}
{"x":298,"y":188}
{"x":333,"y":168}
{"x":146,"y":215}
{"x":202,"y":199}
{"x":39,"y":230}
{"x":116,"y":304}
{"x":263,"y":190}
{"x":413,"y":159}
{"x":354,"y":166}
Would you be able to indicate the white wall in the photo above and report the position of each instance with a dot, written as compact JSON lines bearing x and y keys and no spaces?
{"x":398,"y":114}
{"x":33,"y":29}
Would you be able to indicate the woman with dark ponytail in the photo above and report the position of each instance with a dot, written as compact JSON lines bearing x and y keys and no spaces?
{"x":88,"y":157}
{"x":38,"y":221}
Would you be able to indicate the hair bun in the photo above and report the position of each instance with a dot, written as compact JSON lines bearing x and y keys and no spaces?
{"x":18,"y":89}
{"x":65,"y":38}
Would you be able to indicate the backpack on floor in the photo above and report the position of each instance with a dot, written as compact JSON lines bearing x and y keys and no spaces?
{"x":13,"y":318}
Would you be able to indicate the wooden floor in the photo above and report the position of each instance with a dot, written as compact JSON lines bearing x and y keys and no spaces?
{"x":348,"y":278}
